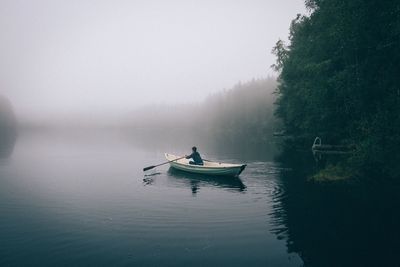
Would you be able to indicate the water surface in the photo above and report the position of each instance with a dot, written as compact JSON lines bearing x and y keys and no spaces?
{"x":72,"y":202}
{"x":65,"y":202}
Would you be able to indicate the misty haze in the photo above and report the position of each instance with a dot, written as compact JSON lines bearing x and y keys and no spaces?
{"x":199,"y":133}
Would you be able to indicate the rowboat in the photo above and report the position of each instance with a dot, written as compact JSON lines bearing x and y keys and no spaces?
{"x":209,"y":167}
{"x":195,"y":181}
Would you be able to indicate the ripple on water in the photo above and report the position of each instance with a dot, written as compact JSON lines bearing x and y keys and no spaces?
{"x":83,"y":206}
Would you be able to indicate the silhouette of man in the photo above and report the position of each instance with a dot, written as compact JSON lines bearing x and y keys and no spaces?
{"x":195,"y":156}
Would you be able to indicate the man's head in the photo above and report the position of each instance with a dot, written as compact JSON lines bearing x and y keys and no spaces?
{"x":194,"y":149}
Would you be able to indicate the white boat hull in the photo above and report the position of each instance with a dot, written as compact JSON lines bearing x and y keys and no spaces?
{"x":209,"y":167}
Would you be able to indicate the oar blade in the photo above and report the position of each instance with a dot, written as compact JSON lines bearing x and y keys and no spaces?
{"x":149,"y":168}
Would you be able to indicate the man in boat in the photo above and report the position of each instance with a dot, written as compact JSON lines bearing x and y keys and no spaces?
{"x":195,"y":156}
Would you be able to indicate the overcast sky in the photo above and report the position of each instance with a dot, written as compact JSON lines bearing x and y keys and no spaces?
{"x":114,"y":55}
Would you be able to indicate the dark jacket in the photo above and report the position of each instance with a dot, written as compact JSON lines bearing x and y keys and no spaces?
{"x":196,"y":158}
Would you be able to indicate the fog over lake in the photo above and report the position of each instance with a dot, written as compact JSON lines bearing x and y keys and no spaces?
{"x":63,"y":57}
{"x":102,"y":103}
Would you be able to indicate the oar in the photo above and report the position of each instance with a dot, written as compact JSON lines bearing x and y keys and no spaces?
{"x":152,"y":167}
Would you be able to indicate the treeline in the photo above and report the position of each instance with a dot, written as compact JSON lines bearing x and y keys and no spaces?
{"x":237,"y":118}
{"x":242,"y":116}
{"x":8,"y":127}
{"x":339,"y":79}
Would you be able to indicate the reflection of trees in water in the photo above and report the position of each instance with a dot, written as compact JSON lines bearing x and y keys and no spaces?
{"x":7,"y":128}
{"x":196,"y":181}
{"x":338,"y":224}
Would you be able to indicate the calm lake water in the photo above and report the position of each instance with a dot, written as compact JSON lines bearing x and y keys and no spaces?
{"x":70,"y":203}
